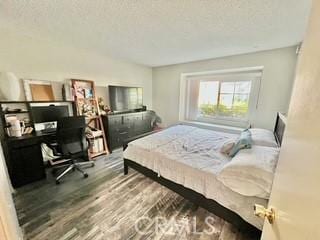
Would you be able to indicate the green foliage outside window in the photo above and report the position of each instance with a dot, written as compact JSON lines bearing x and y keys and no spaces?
{"x":239,"y":109}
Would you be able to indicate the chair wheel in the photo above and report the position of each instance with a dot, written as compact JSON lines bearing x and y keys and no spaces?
{"x":85,"y":175}
{"x":57,"y":182}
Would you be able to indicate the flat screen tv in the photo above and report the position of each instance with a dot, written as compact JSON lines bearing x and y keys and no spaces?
{"x":125,"y":98}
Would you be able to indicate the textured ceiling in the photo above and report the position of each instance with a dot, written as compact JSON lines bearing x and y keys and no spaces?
{"x":161,"y":32}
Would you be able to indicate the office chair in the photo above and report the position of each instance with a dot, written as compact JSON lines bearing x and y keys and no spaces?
{"x":71,"y":144}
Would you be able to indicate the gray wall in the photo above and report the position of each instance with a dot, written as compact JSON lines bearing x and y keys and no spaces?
{"x":276,"y":84}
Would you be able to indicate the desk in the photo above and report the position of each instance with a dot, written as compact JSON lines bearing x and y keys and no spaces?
{"x":24,"y":158}
{"x":23,"y":154}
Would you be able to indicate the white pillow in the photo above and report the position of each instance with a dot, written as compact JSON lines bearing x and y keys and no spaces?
{"x":251,"y":171}
{"x":263,"y":137}
{"x":227,"y":146}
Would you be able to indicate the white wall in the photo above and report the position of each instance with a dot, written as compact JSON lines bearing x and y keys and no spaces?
{"x":276,"y":84}
{"x":40,"y":59}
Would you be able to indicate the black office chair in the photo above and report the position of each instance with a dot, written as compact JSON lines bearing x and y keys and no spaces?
{"x":71,"y":144}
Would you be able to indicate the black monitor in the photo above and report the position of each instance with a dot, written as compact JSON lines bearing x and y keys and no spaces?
{"x":49,"y":113}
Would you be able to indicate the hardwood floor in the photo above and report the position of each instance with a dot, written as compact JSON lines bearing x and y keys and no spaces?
{"x":109,"y":205}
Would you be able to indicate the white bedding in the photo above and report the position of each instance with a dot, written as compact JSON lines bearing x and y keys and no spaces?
{"x":251,"y":171}
{"x":190,"y":156}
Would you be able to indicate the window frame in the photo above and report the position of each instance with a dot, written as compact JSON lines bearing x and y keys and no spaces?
{"x":188,"y":92}
{"x":232,"y":119}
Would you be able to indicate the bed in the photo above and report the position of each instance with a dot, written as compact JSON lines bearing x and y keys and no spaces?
{"x":168,"y":157}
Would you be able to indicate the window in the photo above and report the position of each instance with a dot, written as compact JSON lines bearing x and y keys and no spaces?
{"x":227,"y":97}
{"x":224,"y":99}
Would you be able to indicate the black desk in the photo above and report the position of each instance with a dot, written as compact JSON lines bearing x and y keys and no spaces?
{"x":24,"y":158}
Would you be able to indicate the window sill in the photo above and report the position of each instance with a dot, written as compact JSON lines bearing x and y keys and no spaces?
{"x":216,"y":127}
{"x":232,"y":122}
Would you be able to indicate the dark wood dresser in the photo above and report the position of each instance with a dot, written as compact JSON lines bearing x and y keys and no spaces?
{"x":120,"y":127}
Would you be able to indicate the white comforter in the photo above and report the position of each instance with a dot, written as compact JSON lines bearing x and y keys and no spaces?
{"x":190,"y":156}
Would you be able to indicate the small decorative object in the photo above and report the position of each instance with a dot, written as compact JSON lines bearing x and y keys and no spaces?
{"x":16,"y":127}
{"x":88,"y":93}
{"x":80,"y":93}
{"x":104,"y":109}
{"x":89,"y":110}
{"x":10,"y":89}
{"x":156,"y":120}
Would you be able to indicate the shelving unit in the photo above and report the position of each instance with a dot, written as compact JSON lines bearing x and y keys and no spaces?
{"x":10,"y":112}
{"x":86,"y":103}
{"x":23,"y":114}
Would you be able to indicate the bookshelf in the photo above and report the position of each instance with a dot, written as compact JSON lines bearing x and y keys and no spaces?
{"x":86,"y":103}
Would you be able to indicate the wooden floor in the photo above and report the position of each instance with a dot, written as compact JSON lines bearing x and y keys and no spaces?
{"x":107,"y":205}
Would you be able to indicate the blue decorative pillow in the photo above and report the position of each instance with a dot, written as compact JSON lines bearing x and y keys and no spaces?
{"x":245,"y":141}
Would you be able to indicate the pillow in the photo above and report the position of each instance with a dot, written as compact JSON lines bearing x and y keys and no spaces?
{"x":244,"y":141}
{"x":263,"y":137}
{"x":227,"y":146}
{"x":251,"y":171}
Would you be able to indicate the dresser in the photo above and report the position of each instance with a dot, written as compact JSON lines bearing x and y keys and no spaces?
{"x":119,"y":127}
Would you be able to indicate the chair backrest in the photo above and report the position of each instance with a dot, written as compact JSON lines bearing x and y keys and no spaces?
{"x":71,"y":136}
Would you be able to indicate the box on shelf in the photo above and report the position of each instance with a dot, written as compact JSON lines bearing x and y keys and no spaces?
{"x":96,"y":145}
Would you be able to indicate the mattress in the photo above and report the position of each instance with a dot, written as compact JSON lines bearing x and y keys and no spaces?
{"x":190,"y":156}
